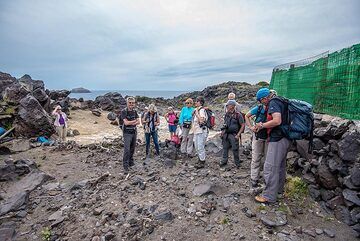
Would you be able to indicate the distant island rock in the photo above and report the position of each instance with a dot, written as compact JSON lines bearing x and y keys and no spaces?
{"x":80,"y":90}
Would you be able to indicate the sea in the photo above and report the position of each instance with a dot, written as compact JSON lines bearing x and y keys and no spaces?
{"x":166,"y":94}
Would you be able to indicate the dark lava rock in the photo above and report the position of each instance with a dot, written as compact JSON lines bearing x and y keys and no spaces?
{"x":355,"y":176}
{"x":40,"y":95}
{"x":31,"y":84}
{"x":343,"y":214}
{"x":111,"y":116}
{"x":349,"y":147}
{"x":7,"y":233}
{"x":314,"y":192}
{"x":318,"y":144}
{"x":335,"y":202}
{"x":96,"y":112}
{"x":58,"y":94}
{"x":330,"y":233}
{"x":110,"y":101}
{"x":203,"y":189}
{"x":14,"y":203}
{"x":326,"y":178}
{"x":351,"y":196}
{"x":32,"y":119}
{"x":5,"y":81}
{"x":14,"y":93}
{"x":164,"y":216}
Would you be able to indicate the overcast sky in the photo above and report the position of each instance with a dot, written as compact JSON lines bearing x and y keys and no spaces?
{"x":166,"y":45}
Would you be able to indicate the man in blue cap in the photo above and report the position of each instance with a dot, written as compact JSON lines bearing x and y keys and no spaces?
{"x":275,"y":161}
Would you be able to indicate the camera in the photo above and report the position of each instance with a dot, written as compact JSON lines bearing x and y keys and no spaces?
{"x":202,"y":125}
{"x":224,"y":127}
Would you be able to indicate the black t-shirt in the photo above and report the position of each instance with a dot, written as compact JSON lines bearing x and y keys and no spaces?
{"x":130,"y":115}
{"x":275,"y":106}
{"x":233,"y":122}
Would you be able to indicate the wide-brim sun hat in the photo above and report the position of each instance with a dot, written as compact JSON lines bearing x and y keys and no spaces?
{"x":262,"y":93}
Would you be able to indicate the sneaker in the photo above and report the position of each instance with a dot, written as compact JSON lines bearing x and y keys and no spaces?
{"x":261,"y":199}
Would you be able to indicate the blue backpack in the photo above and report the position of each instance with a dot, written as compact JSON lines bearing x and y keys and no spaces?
{"x":300,"y":120}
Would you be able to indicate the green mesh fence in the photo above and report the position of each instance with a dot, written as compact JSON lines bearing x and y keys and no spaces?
{"x":330,"y":82}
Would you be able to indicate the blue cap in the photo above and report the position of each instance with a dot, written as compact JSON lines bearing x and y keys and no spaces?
{"x":231,"y":102}
{"x":263,"y":92}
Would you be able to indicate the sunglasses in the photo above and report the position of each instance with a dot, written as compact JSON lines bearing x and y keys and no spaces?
{"x":131,"y":102}
{"x":188,"y":103}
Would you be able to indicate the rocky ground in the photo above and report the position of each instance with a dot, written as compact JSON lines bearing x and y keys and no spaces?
{"x":87,"y":197}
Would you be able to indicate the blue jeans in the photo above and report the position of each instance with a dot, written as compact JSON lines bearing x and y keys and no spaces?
{"x":154,"y":136}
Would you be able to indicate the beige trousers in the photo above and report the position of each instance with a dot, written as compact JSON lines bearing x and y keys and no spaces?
{"x":259,"y":148}
{"x":62,"y":132}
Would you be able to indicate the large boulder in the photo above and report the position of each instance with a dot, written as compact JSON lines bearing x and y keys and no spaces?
{"x":5,"y":81}
{"x":14,"y":93}
{"x":32,"y":119}
{"x":349,"y":147}
{"x":335,"y":129}
{"x":31,"y":84}
{"x":110,"y":101}
{"x":58,"y":94}
{"x":40,"y":95}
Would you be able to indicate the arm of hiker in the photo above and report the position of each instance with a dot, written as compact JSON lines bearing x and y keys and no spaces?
{"x":137,"y":119}
{"x":200,"y":114}
{"x":181,"y":118}
{"x":157,"y":122}
{"x":276,"y":121}
{"x":248,"y":123}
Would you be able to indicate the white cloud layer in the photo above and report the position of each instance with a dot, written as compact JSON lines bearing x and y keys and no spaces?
{"x":164,"y":45}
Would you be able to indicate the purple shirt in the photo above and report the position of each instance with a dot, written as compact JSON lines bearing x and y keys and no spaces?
{"x":61,"y":120}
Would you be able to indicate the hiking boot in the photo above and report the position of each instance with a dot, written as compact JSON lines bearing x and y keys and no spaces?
{"x":222,"y":163}
{"x":254,"y":184}
{"x":200,"y":164}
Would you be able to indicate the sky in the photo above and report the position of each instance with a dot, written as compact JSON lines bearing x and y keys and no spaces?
{"x":169,"y":44}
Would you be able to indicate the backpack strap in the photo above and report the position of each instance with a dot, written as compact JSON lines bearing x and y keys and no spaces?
{"x":260,"y":108}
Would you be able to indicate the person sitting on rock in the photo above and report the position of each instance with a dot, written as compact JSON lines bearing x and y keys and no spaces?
{"x":231,"y":133}
{"x":200,"y":130}
{"x":60,"y":123}
{"x":171,"y":117}
{"x":275,"y":161}
{"x":232,"y":96}
{"x":152,"y":121}
{"x":130,"y":119}
{"x":185,"y":124}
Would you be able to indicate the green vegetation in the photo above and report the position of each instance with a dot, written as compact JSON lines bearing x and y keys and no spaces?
{"x":46,"y":234}
{"x":225,"y":221}
{"x":261,"y":208}
{"x":296,"y":189}
{"x":283,"y":207}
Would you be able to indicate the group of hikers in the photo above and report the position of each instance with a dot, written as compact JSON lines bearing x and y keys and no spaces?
{"x":265,"y":121}
{"x":274,"y":122}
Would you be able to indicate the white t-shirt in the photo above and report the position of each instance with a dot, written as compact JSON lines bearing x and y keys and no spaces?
{"x":195,"y":127}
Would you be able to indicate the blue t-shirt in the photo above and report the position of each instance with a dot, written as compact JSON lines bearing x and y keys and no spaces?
{"x":262,"y":115}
